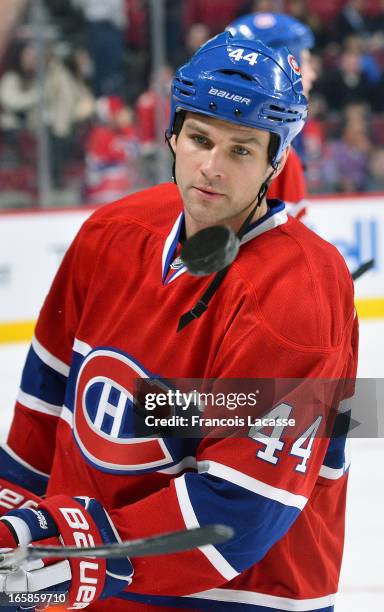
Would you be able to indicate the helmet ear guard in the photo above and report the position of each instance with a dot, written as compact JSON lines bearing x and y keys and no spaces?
{"x":273,"y":147}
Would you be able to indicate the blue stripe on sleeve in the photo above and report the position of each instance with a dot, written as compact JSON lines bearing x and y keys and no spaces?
{"x":209,"y":605}
{"x":258,"y":521}
{"x":76,"y":363}
{"x":19,"y":474}
{"x":42,"y":381}
{"x":335,"y":455}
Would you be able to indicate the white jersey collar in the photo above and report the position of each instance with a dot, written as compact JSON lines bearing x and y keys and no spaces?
{"x":275,"y":216}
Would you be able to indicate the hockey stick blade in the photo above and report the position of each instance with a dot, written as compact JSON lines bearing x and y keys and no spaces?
{"x":166,"y":543}
{"x":363,"y":269}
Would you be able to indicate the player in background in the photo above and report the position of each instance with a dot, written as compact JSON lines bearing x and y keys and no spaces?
{"x":284,"y":311}
{"x":112,"y":153}
{"x":277,"y":30}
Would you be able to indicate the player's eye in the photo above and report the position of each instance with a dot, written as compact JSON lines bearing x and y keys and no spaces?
{"x":199,"y":139}
{"x":240,"y":150}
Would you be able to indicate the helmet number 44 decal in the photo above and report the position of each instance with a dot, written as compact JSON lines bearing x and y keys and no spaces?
{"x":238,"y":54}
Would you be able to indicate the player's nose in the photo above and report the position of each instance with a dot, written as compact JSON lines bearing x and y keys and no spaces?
{"x":212,"y":165}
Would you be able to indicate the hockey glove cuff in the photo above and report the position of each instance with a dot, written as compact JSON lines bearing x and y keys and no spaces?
{"x":80,"y":522}
{"x":13,"y":496}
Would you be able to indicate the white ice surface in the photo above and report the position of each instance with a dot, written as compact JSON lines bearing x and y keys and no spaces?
{"x":362,"y":580}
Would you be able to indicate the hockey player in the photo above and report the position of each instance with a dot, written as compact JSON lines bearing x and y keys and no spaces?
{"x":285,"y":310}
{"x":111,"y":153}
{"x":277,"y":30}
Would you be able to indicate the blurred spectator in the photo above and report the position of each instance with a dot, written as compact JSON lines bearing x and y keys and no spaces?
{"x":376,"y":170}
{"x":378,"y":96}
{"x":348,"y":158}
{"x":352,"y":20}
{"x":302,"y":10}
{"x":18,"y":97}
{"x":260,"y":6}
{"x":314,"y":144}
{"x":310,"y":72}
{"x":138,"y":54}
{"x":67,"y":18}
{"x":156,"y":96}
{"x":345,"y":83}
{"x":298,"y":9}
{"x":173,"y":32}
{"x":216,"y":14}
{"x":137,"y":23}
{"x":68,"y":103}
{"x":152,"y":114}
{"x":357,"y":112}
{"x":196,"y":36}
{"x":326,"y":10}
{"x":112,"y":153}
{"x":369,"y":64}
{"x":377,"y":20}
{"x":106,"y":22}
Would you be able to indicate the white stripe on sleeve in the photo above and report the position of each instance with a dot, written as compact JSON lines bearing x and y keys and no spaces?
{"x":16,"y":457}
{"x":34,"y":403}
{"x":49,"y":359}
{"x":268,"y":601}
{"x":81,"y":347}
{"x":336,"y":473}
{"x":252,"y":484}
{"x":218,"y":561}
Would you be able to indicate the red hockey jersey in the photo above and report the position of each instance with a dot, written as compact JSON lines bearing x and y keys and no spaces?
{"x":285,"y":310}
{"x":112,"y":164}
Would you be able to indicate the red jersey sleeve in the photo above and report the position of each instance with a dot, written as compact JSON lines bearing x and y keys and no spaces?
{"x":28,"y":454}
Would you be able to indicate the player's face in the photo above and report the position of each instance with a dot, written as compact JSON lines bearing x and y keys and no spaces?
{"x":220,"y":167}
{"x":308,"y":73}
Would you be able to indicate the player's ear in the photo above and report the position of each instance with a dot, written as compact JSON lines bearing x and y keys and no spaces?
{"x":173,"y":142}
{"x":282,"y":161}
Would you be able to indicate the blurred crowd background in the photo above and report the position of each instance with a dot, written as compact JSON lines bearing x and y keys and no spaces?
{"x":84,"y":88}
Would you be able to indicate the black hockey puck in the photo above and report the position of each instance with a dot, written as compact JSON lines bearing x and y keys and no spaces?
{"x":210,"y":250}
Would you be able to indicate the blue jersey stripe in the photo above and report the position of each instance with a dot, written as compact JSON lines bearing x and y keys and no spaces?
{"x":335,"y":455}
{"x":20,"y":474}
{"x":76,"y":363}
{"x":258,"y":521}
{"x":209,"y":605}
{"x":42,"y":381}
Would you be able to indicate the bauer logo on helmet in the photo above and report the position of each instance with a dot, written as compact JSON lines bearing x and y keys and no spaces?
{"x":221,"y":93}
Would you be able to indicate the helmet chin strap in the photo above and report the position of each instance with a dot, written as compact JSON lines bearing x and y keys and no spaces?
{"x":259,"y":198}
{"x":202,"y":305}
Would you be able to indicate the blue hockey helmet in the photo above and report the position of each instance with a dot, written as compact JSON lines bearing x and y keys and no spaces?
{"x":275,"y":30}
{"x":244,"y":82}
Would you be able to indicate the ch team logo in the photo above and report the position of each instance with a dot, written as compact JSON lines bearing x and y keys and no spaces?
{"x":264,"y":21}
{"x":104,"y":415}
{"x":293,"y":64}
